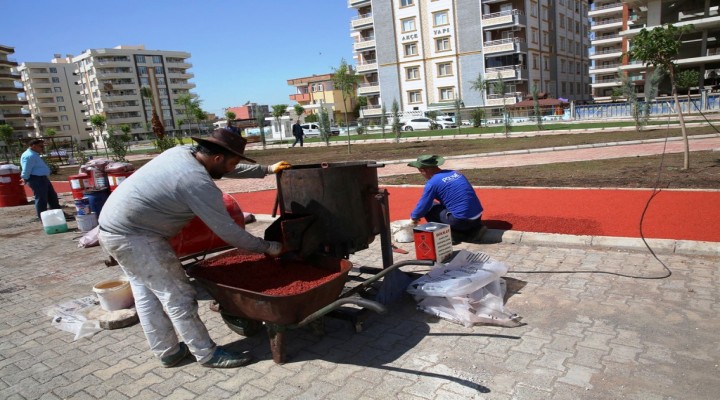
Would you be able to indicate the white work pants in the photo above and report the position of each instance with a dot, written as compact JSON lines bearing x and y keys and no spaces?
{"x":164,"y":297}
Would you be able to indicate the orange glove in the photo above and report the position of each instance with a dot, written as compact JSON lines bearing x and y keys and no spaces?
{"x":279,"y":166}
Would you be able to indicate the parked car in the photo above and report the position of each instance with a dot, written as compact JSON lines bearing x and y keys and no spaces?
{"x":419,"y":123}
{"x":312,"y":129}
{"x":445,"y":122}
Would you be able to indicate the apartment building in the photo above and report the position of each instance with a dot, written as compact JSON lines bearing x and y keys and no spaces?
{"x":110,"y":81}
{"x":12,"y":99}
{"x":614,"y":23}
{"x":53,"y":98}
{"x":314,"y":91}
{"x":426,"y":54}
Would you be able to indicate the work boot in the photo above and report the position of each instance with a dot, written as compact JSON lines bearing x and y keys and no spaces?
{"x":226,"y":359}
{"x":174,"y":359}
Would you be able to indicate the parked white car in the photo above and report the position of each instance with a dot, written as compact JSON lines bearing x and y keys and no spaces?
{"x":445,"y":122}
{"x":419,"y":123}
{"x":312,"y":129}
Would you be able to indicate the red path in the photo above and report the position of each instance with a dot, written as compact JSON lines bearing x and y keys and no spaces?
{"x":687,"y":215}
{"x":673,"y":214}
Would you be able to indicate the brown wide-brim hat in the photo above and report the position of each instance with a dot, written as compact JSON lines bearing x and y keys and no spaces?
{"x":227,"y":139}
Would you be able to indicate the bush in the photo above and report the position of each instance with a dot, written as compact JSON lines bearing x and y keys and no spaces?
{"x":477,"y":115}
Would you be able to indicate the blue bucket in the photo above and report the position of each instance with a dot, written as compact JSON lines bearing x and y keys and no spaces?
{"x":82,"y":206}
{"x":97,"y":199}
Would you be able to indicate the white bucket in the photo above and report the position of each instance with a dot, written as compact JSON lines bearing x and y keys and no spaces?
{"x":402,"y":230}
{"x":86,"y":222}
{"x":114,"y":294}
{"x":53,"y":221}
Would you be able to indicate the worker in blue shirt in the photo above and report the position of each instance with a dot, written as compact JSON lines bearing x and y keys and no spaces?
{"x":35,"y":173}
{"x":448,"y":198}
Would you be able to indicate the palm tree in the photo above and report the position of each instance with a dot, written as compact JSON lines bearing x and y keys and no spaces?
{"x":191,"y":105}
{"x":299,"y":110}
{"x":260,"y":121}
{"x":278,"y":110}
{"x":345,"y":80}
{"x":98,"y":121}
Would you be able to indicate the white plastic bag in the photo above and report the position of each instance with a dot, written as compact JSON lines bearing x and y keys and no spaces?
{"x":90,"y":239}
{"x":459,"y":277}
{"x":72,"y":317}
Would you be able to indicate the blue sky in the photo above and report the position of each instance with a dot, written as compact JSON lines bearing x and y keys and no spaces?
{"x":241,"y":50}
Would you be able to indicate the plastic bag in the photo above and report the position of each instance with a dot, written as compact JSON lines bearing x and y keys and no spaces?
{"x":90,"y":239}
{"x":402,"y":230}
{"x":72,"y":317}
{"x":465,"y":291}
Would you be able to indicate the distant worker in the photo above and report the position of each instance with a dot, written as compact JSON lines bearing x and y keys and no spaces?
{"x":457,"y":203}
{"x":297,"y":131}
{"x":151,"y":207}
{"x":35,"y":172}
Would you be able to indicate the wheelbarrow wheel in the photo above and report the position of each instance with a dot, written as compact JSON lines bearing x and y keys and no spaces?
{"x":242,"y":326}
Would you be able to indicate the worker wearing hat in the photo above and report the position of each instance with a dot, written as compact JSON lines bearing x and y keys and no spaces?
{"x":152,"y":206}
{"x":448,"y":198}
{"x":35,"y":172}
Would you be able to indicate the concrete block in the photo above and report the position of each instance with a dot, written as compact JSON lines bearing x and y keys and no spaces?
{"x":529,"y":238}
{"x":697,"y":248}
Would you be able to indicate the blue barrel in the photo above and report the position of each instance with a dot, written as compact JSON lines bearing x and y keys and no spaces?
{"x":97,"y":199}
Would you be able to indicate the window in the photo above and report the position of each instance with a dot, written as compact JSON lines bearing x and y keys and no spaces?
{"x":161,"y":81}
{"x":544,"y":11}
{"x":408,"y":25}
{"x":577,"y":69}
{"x":55,"y":79}
{"x":442,"y":44}
{"x":63,"y":118}
{"x":66,"y":127}
{"x":166,"y":114}
{"x":140,"y":59}
{"x":562,"y":20}
{"x":412,"y":73}
{"x":440,"y":18}
{"x":59,"y":99}
{"x":447,"y":93}
{"x":53,"y":70}
{"x":142,"y":70}
{"x":535,"y":61}
{"x":562,"y":68}
{"x":61,"y":108}
{"x":444,"y":69}
{"x":547,"y":64}
{"x":534,"y":35}
{"x":570,"y":86}
{"x":577,"y":26}
{"x":57,"y":90}
{"x":563,"y":89}
{"x":406,"y":3}
{"x":562,"y":44}
{"x":159,"y":71}
{"x":414,"y":97}
{"x":411,"y":49}
{"x":157,"y":59}
{"x":533,"y":9}
{"x":164,"y":102}
{"x":163,"y":91}
{"x":144,"y":81}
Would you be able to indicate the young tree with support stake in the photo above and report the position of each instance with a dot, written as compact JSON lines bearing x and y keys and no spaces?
{"x":660,"y":48}
{"x":396,"y":120}
{"x":98,"y":122}
{"x":299,"y":110}
{"x":278,"y":110}
{"x":345,"y":80}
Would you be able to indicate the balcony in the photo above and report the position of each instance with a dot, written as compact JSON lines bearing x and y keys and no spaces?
{"x":361,"y":21}
{"x":368,"y":88}
{"x":606,"y":24}
{"x":358,"y":3}
{"x":14,"y":77}
{"x":8,"y":63}
{"x":180,"y":75}
{"x":495,"y":100}
{"x":11,"y":89}
{"x":606,"y":39}
{"x":13,"y":102}
{"x":510,"y":72}
{"x":504,"y":19}
{"x":493,"y":1}
{"x":606,"y":54}
{"x":367,"y":66}
{"x":605,"y":69}
{"x":371,"y":111}
{"x":605,"y":82}
{"x":178,"y":64}
{"x":15,"y":115}
{"x":606,"y":9}
{"x":300,"y":97}
{"x":511,"y":45}
{"x":364,"y":44}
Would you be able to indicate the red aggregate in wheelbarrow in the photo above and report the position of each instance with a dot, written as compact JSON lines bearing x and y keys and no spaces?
{"x":259,"y":273}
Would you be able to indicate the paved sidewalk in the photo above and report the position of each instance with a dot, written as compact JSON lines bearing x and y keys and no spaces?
{"x":589,"y":336}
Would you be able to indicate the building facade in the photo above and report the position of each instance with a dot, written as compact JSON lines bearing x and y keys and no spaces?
{"x":426,"y":54}
{"x":315,"y":91}
{"x":110,"y":82}
{"x":12,"y":98}
{"x":53,"y":98}
{"x":614,"y":23}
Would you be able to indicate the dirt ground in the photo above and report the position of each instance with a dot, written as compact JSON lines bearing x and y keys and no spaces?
{"x":629,"y":172}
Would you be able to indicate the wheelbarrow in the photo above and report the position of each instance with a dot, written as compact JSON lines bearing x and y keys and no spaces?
{"x":244,"y":311}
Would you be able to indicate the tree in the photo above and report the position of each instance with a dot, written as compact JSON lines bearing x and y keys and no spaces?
{"x":119,"y":144}
{"x":200,"y":116}
{"x":191,"y":105}
{"x":98,"y":122}
{"x":6,"y":134}
{"x":345,"y":80}
{"x":432,"y":114}
{"x":478,"y":115}
{"x":324,"y":122}
{"x":396,"y":120}
{"x":687,"y":79}
{"x":383,"y":119}
{"x":299,"y":110}
{"x":536,"y":108}
{"x":458,"y":105}
{"x":498,"y":87}
{"x":660,"y":48}
{"x":50,"y":132}
{"x":278,"y":110}
{"x":230,"y":116}
{"x":260,"y":121}
{"x":311,"y":118}
{"x":628,"y":91}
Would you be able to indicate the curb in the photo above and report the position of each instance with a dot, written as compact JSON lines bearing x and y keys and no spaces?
{"x":659,"y":246}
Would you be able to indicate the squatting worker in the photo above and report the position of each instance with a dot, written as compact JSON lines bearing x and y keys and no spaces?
{"x":153,"y":205}
{"x":36,"y":174}
{"x":448,"y":198}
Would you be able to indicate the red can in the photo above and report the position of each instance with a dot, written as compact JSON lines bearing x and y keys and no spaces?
{"x":78,"y":184}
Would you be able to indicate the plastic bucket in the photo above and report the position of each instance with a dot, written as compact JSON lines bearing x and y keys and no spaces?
{"x":116,"y":178}
{"x":86,"y":222}
{"x":83,"y":206}
{"x":53,"y":221}
{"x":402,"y":230}
{"x":78,"y":184}
{"x":12,"y":192}
{"x":114,"y":294}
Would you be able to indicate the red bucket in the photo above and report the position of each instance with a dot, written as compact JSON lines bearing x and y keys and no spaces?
{"x":12,"y":192}
{"x":78,"y":184}
{"x":116,"y":178}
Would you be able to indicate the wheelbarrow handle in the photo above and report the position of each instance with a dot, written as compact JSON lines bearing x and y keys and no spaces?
{"x":364,"y":303}
{"x":385,"y":271}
